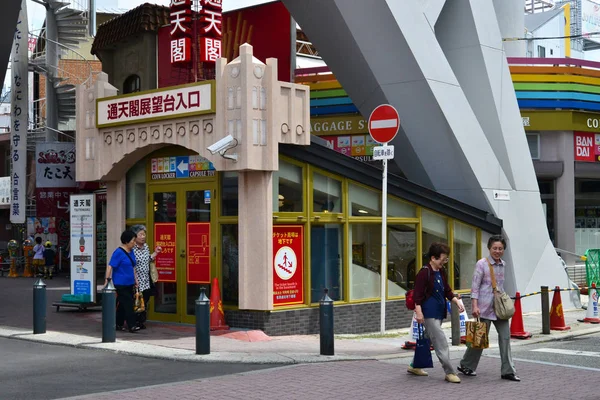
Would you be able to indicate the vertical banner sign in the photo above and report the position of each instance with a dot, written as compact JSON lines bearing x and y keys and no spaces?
{"x":165,"y":235}
{"x":83,"y":245}
{"x":180,"y":17}
{"x":198,"y":252}
{"x":211,"y":17}
{"x":18,"y":134}
{"x":288,"y":264}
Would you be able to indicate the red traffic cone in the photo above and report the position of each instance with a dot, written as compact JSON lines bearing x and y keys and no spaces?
{"x":517,"y":330}
{"x":591,"y":316}
{"x":217,"y":316}
{"x":557,"y":318}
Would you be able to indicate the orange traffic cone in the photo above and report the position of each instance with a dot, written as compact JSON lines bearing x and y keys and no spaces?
{"x":557,"y":318}
{"x":217,"y":316}
{"x":591,"y":316}
{"x":517,"y":330}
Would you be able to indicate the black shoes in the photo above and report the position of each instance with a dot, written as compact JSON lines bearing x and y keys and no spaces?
{"x":134,"y":329}
{"x":466,"y":371}
{"x":120,"y":328}
{"x":511,"y":377}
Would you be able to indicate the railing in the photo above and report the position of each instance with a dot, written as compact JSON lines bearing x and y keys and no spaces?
{"x":569,"y":62}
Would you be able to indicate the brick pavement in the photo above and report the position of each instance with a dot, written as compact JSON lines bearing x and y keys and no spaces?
{"x":373,"y":380}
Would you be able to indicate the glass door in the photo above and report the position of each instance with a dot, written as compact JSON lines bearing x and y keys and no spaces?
{"x":181,"y":216}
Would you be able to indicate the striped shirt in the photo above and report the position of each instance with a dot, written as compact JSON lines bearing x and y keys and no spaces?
{"x":481,"y":287}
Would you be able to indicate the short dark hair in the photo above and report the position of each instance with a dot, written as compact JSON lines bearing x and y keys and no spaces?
{"x":127,"y":236}
{"x":437,"y":249}
{"x":496,"y":238}
{"x":38,"y":240}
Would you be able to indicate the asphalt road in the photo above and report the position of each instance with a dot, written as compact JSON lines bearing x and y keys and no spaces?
{"x":33,"y":371}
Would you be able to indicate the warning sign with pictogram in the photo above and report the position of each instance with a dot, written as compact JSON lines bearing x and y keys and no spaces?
{"x":288,"y":264}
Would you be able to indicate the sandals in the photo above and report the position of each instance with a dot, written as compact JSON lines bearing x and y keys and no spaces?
{"x":466,"y":371}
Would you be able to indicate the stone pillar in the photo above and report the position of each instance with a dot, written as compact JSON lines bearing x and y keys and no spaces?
{"x":255,"y":224}
{"x":511,"y":20}
{"x":565,"y":195}
{"x":115,"y":222}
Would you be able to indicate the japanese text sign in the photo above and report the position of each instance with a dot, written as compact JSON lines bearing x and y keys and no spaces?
{"x":587,"y":146}
{"x":55,"y":165}
{"x":288,"y":264}
{"x":180,"y":17}
{"x":154,"y":105}
{"x":5,"y":191}
{"x":165,"y":236}
{"x":198,"y":252}
{"x":211,"y":18}
{"x":82,"y":211}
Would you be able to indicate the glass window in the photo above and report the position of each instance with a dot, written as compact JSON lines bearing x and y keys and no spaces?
{"x":402,"y":252}
{"x":465,"y":255}
{"x":135,"y":185}
{"x":365,"y":268}
{"x":229,"y":194}
{"x":435,"y":229}
{"x":364,"y":202}
{"x":287,"y":188}
{"x":132,"y":84}
{"x":327,"y":194}
{"x":230,"y":266}
{"x":533,"y":141}
{"x":326,"y":261}
{"x":401,"y":209}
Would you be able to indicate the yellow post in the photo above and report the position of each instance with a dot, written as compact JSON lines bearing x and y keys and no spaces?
{"x":28,"y":253}
{"x":12,"y":252}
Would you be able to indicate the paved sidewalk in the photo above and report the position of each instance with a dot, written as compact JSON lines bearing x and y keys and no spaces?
{"x":175,"y":341}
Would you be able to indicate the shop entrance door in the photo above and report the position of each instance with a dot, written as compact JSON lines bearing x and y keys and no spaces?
{"x":181,"y":219}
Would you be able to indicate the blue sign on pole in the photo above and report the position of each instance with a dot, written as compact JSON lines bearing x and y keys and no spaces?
{"x":181,"y":167}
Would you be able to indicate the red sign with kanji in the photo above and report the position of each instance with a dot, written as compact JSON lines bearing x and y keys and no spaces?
{"x":384,"y":123}
{"x":165,"y":236}
{"x":288,"y":264}
{"x":198,"y":252}
{"x":180,"y":17}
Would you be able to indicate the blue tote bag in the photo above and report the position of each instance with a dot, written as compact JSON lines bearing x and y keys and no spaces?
{"x":422,"y":358}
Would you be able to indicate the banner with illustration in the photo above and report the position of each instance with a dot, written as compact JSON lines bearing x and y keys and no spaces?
{"x":288,"y":264}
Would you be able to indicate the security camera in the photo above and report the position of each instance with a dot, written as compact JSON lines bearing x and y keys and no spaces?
{"x":228,"y":142}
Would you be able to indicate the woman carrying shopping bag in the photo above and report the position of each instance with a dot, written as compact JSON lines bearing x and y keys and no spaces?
{"x":482,"y":305}
{"x":430,"y":294}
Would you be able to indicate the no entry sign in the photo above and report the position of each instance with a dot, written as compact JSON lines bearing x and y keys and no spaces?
{"x":384,"y":123}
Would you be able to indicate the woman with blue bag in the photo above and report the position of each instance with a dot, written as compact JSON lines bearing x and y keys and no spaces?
{"x":430,"y":294}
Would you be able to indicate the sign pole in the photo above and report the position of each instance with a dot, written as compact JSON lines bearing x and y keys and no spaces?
{"x":383,"y":244}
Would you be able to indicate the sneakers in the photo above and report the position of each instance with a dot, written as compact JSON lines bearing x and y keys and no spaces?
{"x":452,"y":378}
{"x":466,"y":371}
{"x":416,"y":371}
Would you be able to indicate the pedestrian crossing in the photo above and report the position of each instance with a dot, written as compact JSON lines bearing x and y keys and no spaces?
{"x":568,"y":352}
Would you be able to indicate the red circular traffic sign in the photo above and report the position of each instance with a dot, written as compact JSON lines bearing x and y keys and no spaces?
{"x":384,"y":123}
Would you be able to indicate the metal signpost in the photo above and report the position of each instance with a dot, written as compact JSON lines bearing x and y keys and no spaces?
{"x":383,"y":127}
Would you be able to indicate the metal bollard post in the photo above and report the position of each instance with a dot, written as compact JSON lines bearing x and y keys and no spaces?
{"x":455,"y":323}
{"x":59,"y":268}
{"x":39,"y":307}
{"x":326,"y":324}
{"x":545,"y":310}
{"x":109,"y":313}
{"x":202,"y":323}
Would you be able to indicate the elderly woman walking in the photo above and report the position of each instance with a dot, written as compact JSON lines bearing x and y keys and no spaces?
{"x":143,"y":258}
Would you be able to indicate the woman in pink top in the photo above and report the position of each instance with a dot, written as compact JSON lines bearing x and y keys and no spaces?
{"x":482,"y":305}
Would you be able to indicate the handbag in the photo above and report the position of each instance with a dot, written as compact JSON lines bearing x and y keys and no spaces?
{"x":153,"y":271}
{"x":477,"y":335}
{"x":504,"y":307}
{"x":422,"y":357}
{"x":138,"y":305}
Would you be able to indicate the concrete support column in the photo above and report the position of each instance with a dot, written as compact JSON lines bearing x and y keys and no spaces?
{"x":255,"y":224}
{"x":565,"y":195}
{"x":115,"y":223}
{"x":511,"y":20}
{"x":52,"y":68}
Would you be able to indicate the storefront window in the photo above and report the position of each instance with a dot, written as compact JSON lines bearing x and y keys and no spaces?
{"x":400,"y":209}
{"x":327,"y":194}
{"x":136,"y":191}
{"x":587,"y":215}
{"x":326,"y":261}
{"x":465,"y":255}
{"x":229,"y":194}
{"x":402,"y":253}
{"x":548,"y":201}
{"x":364,"y":202}
{"x":435,"y":229}
{"x":365,"y":266}
{"x":230,"y":266}
{"x":287,"y":188}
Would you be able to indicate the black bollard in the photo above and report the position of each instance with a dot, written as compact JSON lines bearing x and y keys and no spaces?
{"x":39,"y":307}
{"x":455,"y":323}
{"x":545,"y":310}
{"x":326,"y":324}
{"x":202,"y":323}
{"x":109,"y":313}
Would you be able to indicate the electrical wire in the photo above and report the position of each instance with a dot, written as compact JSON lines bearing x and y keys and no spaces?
{"x":584,"y":36}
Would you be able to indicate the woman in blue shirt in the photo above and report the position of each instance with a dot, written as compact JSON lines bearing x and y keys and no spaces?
{"x":121,"y":269}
